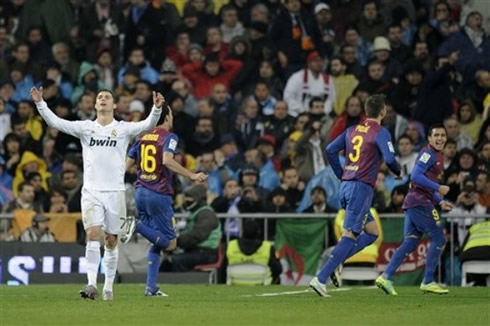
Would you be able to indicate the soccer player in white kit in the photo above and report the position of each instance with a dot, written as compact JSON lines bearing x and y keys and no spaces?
{"x":104,"y":146}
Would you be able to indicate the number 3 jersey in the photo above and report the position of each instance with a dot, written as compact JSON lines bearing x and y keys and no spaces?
{"x":148,"y":152}
{"x":365,"y":145}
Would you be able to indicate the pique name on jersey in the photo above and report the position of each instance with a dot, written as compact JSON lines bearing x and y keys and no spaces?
{"x":103,"y":142}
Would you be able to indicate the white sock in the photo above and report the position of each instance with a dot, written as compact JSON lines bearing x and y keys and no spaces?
{"x":110,"y":264}
{"x":92,"y":254}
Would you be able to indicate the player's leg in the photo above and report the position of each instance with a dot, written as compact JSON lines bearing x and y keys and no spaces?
{"x":161,"y":220}
{"x":354,"y":218}
{"x":412,"y":237}
{"x":93,"y":219}
{"x":115,"y":217}
{"x":367,"y":237}
{"x":437,"y":243}
{"x":148,"y":204}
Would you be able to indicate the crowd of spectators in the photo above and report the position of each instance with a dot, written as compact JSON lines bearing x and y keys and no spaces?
{"x":257,"y":89}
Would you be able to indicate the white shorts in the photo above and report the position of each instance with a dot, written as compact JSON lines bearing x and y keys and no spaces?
{"x":105,"y":208}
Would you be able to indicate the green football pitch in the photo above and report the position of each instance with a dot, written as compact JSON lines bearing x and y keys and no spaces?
{"x":226,"y":305}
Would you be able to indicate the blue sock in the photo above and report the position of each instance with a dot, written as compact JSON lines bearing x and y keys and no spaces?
{"x":153,"y":267}
{"x":408,"y":245}
{"x":154,"y":236}
{"x":362,"y":241}
{"x":337,"y":257}
{"x":435,"y":249}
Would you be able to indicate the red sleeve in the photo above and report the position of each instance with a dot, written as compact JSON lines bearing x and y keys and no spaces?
{"x":192,"y":71}
{"x":231,"y":68}
{"x":338,"y":127}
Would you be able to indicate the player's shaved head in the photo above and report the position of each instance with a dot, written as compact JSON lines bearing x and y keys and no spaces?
{"x":375,"y":105}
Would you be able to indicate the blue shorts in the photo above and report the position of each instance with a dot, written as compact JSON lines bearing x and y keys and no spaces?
{"x":155,"y":211}
{"x":420,"y":220}
{"x":356,"y":198}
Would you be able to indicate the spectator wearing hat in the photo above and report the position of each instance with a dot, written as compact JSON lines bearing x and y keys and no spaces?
{"x":195,"y":53}
{"x":310,"y":82}
{"x":371,"y":22}
{"x":168,"y":75}
{"x":104,"y":63}
{"x":382,"y":53}
{"x":38,"y":231}
{"x":61,"y":79}
{"x":405,"y":94}
{"x":137,"y":59}
{"x":363,"y":47}
{"x":280,"y":123}
{"x":88,"y":80}
{"x":399,"y":51}
{"x":230,"y":26}
{"x":101,"y":25}
{"x":204,"y":76}
{"x":193,"y":25}
{"x":295,"y":34}
{"x":345,"y":83}
{"x":323,"y":18}
{"x":137,"y":110}
{"x":254,"y":197}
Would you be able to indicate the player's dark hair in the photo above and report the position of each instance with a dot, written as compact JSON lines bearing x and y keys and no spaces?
{"x":165,"y":111}
{"x":451,"y":141}
{"x":436,"y":126}
{"x":405,"y":136}
{"x":114,"y":97}
{"x":374,"y":105}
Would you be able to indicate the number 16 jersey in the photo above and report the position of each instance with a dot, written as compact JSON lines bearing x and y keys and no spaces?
{"x":365,"y":146}
{"x":148,"y":152}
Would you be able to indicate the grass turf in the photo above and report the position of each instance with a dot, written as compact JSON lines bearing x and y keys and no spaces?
{"x":225,"y":305}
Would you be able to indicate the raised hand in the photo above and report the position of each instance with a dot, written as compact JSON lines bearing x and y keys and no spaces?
{"x":158,"y":100}
{"x":37,"y":95}
{"x":199,"y":177}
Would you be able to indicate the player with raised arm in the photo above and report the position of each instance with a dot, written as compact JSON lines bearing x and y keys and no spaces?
{"x":421,"y":216}
{"x":154,"y":154}
{"x":104,"y":145}
{"x":365,"y":145}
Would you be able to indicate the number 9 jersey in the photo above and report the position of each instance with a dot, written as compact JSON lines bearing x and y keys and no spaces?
{"x":148,"y":151}
{"x":365,"y":145}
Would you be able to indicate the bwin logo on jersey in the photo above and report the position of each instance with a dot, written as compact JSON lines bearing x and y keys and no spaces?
{"x":103,"y":142}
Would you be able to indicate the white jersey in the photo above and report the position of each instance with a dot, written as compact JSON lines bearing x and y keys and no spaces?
{"x":104,"y":148}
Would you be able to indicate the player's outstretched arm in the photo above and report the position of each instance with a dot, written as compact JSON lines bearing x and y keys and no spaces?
{"x":332,"y":152}
{"x":385,"y":146}
{"x":68,"y":127}
{"x":174,"y":166}
{"x":152,"y":119}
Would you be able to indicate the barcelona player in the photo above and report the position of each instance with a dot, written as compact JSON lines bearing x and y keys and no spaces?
{"x":365,"y":145}
{"x":421,"y":215}
{"x":154,"y":154}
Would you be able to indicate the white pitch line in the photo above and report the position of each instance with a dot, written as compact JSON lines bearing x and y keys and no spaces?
{"x":275,"y":294}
